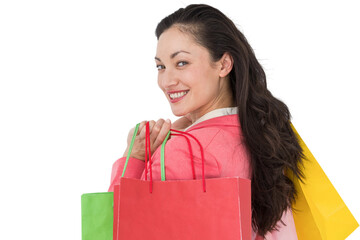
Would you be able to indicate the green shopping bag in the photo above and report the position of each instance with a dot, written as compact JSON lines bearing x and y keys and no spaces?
{"x":97,"y":216}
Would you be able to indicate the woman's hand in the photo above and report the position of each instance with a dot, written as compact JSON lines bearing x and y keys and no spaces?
{"x":158,"y":132}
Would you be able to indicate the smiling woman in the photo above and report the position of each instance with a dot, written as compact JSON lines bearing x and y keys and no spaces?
{"x":212,"y":79}
{"x":191,"y":81}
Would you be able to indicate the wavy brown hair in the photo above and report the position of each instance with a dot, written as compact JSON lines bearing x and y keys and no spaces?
{"x":264,"y":119}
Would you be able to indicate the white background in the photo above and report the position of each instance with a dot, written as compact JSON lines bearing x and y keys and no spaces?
{"x":75,"y":76}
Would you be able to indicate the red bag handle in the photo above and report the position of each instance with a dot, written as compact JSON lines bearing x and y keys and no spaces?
{"x":202,"y":154}
{"x":190,"y":152}
{"x":147,"y":139}
{"x":162,"y":162}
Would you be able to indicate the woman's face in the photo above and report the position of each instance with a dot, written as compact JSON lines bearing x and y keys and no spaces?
{"x":189,"y":81}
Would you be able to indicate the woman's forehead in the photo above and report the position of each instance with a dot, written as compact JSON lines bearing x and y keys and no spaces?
{"x":173,"y":40}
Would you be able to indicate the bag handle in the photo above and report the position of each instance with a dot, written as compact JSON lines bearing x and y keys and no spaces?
{"x":130,"y":148}
{"x":148,"y":151}
{"x":162,"y":153}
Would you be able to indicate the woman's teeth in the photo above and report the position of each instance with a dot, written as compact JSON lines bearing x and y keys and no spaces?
{"x":177,"y":95}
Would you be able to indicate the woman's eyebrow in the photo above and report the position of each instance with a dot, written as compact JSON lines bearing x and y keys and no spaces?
{"x":173,"y":55}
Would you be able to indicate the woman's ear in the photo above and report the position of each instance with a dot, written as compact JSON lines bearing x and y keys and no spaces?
{"x":226,"y":62}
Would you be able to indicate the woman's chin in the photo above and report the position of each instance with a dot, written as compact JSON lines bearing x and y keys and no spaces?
{"x":178,"y":113}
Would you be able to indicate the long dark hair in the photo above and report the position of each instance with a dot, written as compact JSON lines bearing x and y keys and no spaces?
{"x":264,"y":120}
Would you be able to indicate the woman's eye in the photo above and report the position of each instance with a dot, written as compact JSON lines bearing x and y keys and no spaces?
{"x":159,"y":67}
{"x":182,"y":63}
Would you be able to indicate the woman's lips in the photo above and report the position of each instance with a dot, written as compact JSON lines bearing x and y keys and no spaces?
{"x":178,"y":99}
{"x":177,"y":91}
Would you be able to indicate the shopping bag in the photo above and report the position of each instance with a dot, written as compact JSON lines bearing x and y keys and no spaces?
{"x":319,"y":212}
{"x":211,"y":209}
{"x":97,"y":216}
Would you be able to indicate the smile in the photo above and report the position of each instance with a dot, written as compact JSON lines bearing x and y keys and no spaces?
{"x":177,"y":95}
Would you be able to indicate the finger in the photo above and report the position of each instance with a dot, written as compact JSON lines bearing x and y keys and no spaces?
{"x":142,"y":131}
{"x":157,"y":127}
{"x":151,"y":125}
{"x":162,"y":134}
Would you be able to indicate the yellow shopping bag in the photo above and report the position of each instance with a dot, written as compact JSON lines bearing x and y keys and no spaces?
{"x":319,"y":212}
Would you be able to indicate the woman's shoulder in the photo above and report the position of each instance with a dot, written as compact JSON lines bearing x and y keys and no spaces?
{"x":222,"y":130}
{"x":204,"y":136}
{"x":216,"y":134}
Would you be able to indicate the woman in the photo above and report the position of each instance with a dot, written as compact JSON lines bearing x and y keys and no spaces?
{"x":211,"y":77}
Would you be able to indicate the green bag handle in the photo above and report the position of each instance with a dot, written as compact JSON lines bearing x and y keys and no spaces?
{"x":131,"y":146}
{"x":162,"y":156}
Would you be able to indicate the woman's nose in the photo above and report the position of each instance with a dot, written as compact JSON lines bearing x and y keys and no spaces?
{"x":167,"y":79}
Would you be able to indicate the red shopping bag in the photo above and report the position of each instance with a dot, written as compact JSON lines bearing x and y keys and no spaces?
{"x":211,"y":209}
